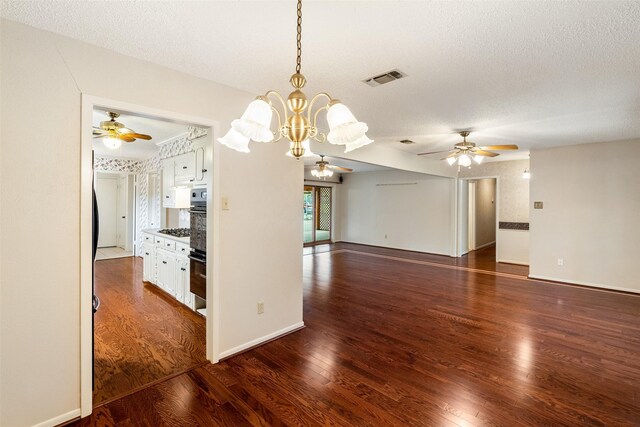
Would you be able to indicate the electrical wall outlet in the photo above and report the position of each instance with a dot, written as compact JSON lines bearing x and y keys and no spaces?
{"x":538,"y":205}
{"x":560,"y":262}
{"x":260,"y":307}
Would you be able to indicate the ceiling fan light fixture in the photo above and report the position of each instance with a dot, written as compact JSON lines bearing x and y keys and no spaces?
{"x":112,"y":142}
{"x":478,"y":159}
{"x":235,"y":141}
{"x":297,"y":119}
{"x":451,"y":160}
{"x":464,"y":160}
{"x":322,"y":173}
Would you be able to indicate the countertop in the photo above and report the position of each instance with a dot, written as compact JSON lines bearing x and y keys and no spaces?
{"x":154,"y":231}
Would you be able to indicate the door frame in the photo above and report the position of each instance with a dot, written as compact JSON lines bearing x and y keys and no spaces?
{"x":88,"y":103}
{"x":316,"y":185}
{"x":459,"y":251}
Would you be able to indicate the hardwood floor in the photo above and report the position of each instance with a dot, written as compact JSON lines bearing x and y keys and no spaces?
{"x":141,"y":334}
{"x":392,"y":340}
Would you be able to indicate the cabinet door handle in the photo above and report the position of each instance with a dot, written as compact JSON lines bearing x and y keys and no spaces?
{"x":166,"y":197}
{"x":184,"y":167}
{"x":204,"y":170}
{"x":183,"y":269}
{"x":146,"y":253}
{"x":123,"y":217}
{"x":164,"y":262}
{"x":191,"y":180}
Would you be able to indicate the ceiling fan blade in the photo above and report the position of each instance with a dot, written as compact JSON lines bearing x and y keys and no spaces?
{"x":126,"y":138}
{"x":125,"y":130}
{"x":484,"y":153}
{"x":339,"y":168}
{"x":453,"y":154}
{"x":96,"y":136}
{"x":433,"y":152}
{"x":136,"y":135}
{"x":499,"y":147}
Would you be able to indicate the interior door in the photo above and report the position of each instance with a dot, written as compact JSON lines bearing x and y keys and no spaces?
{"x":107,"y":195}
{"x":122,"y":212}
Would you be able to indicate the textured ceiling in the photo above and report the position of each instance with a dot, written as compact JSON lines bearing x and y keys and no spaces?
{"x":159,"y":131}
{"x":538,"y":74}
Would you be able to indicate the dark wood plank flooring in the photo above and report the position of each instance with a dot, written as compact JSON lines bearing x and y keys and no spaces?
{"x":393,"y":342}
{"x":141,"y":334}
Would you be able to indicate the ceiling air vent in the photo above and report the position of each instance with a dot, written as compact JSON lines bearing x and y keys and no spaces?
{"x":385,"y":78}
{"x":407,"y":141}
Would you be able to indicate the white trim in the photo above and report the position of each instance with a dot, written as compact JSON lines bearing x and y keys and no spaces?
{"x":592,"y":285}
{"x":261,"y":340}
{"x":88,"y":103}
{"x":51,"y":422}
{"x":508,"y":261}
{"x":485,"y":245}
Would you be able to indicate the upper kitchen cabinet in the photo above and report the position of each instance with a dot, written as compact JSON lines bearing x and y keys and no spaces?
{"x":202,"y":150}
{"x":168,"y":184}
{"x":185,"y":168}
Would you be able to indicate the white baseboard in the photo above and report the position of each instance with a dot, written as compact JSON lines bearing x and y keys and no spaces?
{"x":509,"y":261}
{"x":59,"y":419}
{"x":592,"y":285}
{"x":485,"y":245}
{"x":260,"y":340}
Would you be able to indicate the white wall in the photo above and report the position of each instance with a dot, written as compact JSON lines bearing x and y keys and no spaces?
{"x":43,"y":77}
{"x":513,"y":205}
{"x":417,"y":216}
{"x":591,"y":196}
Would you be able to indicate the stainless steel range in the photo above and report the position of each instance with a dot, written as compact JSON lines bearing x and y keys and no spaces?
{"x":176,"y":232}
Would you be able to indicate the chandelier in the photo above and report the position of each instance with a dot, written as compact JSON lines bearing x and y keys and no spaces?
{"x":298,"y":120}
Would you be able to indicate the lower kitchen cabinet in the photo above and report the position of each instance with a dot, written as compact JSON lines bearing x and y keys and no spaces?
{"x":149,"y":263}
{"x":167,"y":267}
{"x":166,"y":262}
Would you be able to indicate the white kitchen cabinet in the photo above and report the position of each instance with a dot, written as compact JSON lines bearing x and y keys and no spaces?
{"x":168,"y":184}
{"x":148,"y":262}
{"x":166,"y":264}
{"x":185,"y":168}
{"x":202,"y":150}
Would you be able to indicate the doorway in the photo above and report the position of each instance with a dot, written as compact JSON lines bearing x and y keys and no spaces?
{"x":477,"y":218}
{"x":162,"y":334}
{"x":116,"y":198}
{"x":316,"y":215}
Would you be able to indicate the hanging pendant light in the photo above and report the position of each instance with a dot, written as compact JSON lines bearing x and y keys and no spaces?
{"x":297,"y":121}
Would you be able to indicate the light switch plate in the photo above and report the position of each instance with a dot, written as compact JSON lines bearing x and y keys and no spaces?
{"x":225,"y":203}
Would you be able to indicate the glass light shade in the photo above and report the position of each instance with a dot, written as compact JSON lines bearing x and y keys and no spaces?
{"x":526,"y":174}
{"x":358,"y":143}
{"x":323,"y":173}
{"x":464,"y":160}
{"x":343,"y":126}
{"x":478,"y":159}
{"x":451,"y":160}
{"x":255,"y":122}
{"x":111,"y":142}
{"x":305,"y":145}
{"x":235,"y":141}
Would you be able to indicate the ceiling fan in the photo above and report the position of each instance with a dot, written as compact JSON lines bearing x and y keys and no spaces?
{"x":323,"y":169}
{"x":115,"y":132}
{"x":463,"y":151}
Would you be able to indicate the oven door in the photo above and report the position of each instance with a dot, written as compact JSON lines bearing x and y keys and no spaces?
{"x":198,"y":277}
{"x":198,"y":236}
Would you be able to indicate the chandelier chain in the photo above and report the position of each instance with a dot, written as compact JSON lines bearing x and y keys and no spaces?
{"x":299,"y":38}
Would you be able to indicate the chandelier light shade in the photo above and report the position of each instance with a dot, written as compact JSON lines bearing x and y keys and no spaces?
{"x":464,"y":160}
{"x":305,"y":146}
{"x":233,"y":139}
{"x":297,"y":117}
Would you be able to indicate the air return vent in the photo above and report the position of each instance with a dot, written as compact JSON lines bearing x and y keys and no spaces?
{"x":385,"y":78}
